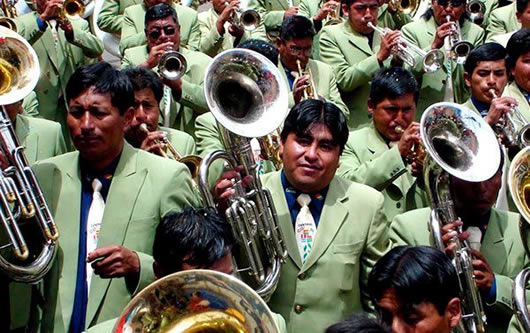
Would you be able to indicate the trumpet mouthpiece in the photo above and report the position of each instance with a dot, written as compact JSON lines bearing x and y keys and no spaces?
{"x":143,"y":128}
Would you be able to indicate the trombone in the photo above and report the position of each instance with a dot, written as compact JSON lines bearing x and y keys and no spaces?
{"x":513,"y":126}
{"x":407,"y":50}
{"x":310,"y":91}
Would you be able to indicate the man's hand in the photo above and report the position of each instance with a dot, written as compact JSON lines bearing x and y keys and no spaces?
{"x":68,"y":29}
{"x":155,"y":53}
{"x":442,"y":31}
{"x":409,"y":138}
{"x":114,"y":261}
{"x":237,"y":31}
{"x":449,"y":233}
{"x":388,"y":42}
{"x":498,"y":108}
{"x":153,"y":142}
{"x":290,"y":12}
{"x":482,"y":271}
{"x":224,"y":186}
{"x":327,"y":8}
{"x":175,"y":86}
{"x":226,"y":16}
{"x":51,"y":10}
{"x":300,"y":84}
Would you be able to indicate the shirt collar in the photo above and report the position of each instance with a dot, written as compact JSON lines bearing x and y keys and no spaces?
{"x":482,"y":107}
{"x":319,"y":195}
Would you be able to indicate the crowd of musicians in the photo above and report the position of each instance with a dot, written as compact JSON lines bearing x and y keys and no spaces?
{"x":348,"y":190}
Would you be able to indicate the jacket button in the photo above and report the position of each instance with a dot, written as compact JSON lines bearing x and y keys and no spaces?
{"x":398,"y":205}
{"x":302,"y":276}
{"x":298,"y":308}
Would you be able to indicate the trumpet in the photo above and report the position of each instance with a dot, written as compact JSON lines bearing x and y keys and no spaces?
{"x":72,"y":9}
{"x":513,"y":126}
{"x":417,"y":151}
{"x":475,"y":10}
{"x":172,"y":65}
{"x":191,"y":161}
{"x":406,"y":51}
{"x":248,"y":19}
{"x":310,"y":91}
{"x":457,"y":48}
{"x":333,"y":17}
{"x":407,"y":7}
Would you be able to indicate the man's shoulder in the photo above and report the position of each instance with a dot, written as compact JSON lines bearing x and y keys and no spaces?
{"x":57,"y":162}
{"x":205,"y":15}
{"x":412,"y":216}
{"x":176,"y":135}
{"x":31,"y":16}
{"x":41,"y":125}
{"x":184,"y":12}
{"x":504,"y":11}
{"x":157,"y":166}
{"x":196,"y":58}
{"x":357,"y":191}
{"x":137,"y":54}
{"x":134,"y":10}
{"x":414,"y":25}
{"x":321,"y":66}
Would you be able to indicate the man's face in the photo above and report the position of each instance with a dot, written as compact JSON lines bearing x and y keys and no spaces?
{"x":146,"y":111}
{"x":295,"y":49}
{"x":162,"y":31}
{"x":310,"y":160}
{"x":444,"y":8}
{"x":219,"y":5}
{"x":417,"y":318}
{"x":360,"y":12}
{"x":524,"y":17}
{"x":96,"y":126}
{"x":521,"y":71}
{"x":151,"y":3}
{"x":391,"y":113}
{"x":487,"y":75}
{"x":475,"y":198}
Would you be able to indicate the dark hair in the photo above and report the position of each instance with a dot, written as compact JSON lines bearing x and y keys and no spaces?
{"x":144,"y":78}
{"x":393,"y":83}
{"x":196,"y":236}
{"x":160,"y":11}
{"x":518,"y":45}
{"x":521,"y":6}
{"x":314,"y":111}
{"x":358,"y":323}
{"x":416,"y":274}
{"x":296,"y":26}
{"x":484,"y":52}
{"x":262,"y":47}
{"x":104,"y":79}
{"x":430,"y":13}
{"x":348,"y":3}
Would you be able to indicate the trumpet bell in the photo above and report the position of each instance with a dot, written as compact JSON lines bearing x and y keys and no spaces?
{"x":172,"y":65}
{"x":197,"y":301}
{"x":73,"y":8}
{"x":433,"y":61}
{"x":460,"y":51}
{"x":475,"y":10}
{"x":250,"y":19}
{"x":8,"y":23}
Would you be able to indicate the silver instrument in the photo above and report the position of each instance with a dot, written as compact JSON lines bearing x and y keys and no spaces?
{"x":247,"y":95}
{"x":457,"y":48}
{"x":461,"y":144}
{"x":407,"y":51}
{"x":23,"y":209}
{"x":475,"y":11}
{"x":247,"y":18}
{"x":172,"y":65}
{"x":514,"y":126}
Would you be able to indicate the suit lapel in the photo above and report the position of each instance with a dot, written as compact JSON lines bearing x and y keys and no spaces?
{"x":360,"y":41}
{"x":49,"y":45}
{"x":494,"y":247}
{"x":29,"y":140}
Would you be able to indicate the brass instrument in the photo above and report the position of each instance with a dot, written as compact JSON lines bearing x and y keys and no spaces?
{"x":191,"y":161}
{"x":334,"y":17}
{"x":8,"y":23}
{"x":310,"y":91}
{"x":9,"y":8}
{"x":172,"y":65}
{"x":195,"y":301}
{"x":457,"y":48}
{"x":417,"y":151}
{"x":475,"y":10}
{"x":72,"y":9}
{"x":247,"y":18}
{"x":514,"y":127}
{"x":247,"y":95}
{"x":519,"y":184}
{"x":461,"y":144}
{"x":22,"y":204}
{"x":407,"y":7}
{"x":407,"y":51}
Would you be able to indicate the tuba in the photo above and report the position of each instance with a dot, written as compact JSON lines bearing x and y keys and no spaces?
{"x":248,"y":97}
{"x":458,"y":143}
{"x":197,"y":301}
{"x":24,"y":214}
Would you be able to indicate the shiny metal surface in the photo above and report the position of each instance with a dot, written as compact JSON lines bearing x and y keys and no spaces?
{"x":513,"y":126}
{"x":458,"y":49}
{"x":475,"y":11}
{"x":172,"y":65}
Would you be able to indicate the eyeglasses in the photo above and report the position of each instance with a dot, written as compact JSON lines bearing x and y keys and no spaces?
{"x":454,"y":3}
{"x":156,"y":33}
{"x":296,"y":50}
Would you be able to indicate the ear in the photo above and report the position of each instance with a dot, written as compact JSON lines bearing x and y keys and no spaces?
{"x":467,"y":79}
{"x":280,"y":149}
{"x":453,"y":312}
{"x":345,"y":9}
{"x":518,"y":15}
{"x":129,"y":115}
{"x":157,"y":270}
{"x":371,"y":107}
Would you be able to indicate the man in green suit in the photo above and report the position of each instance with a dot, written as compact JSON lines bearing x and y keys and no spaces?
{"x":356,"y":52}
{"x":273,"y":12}
{"x":523,"y":17}
{"x":107,"y":199}
{"x":133,"y":27}
{"x":430,"y":32}
{"x":61,"y":48}
{"x":503,"y":20}
{"x":500,"y":256}
{"x":378,"y":155}
{"x":334,"y":229}
{"x":183,"y":98}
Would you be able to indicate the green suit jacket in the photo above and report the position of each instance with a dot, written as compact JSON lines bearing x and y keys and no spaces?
{"x":354,"y":63}
{"x":133,"y":27}
{"x":513,"y":90}
{"x":110,"y":17}
{"x":182,"y":141}
{"x":351,"y":236}
{"x":272,"y":11}
{"x":469,"y":104}
{"x":501,"y":38}
{"x":501,"y":246}
{"x":193,"y":102}
{"x":367,"y":159}
{"x":432,"y":90}
{"x":139,"y":195}
{"x":503,"y":20}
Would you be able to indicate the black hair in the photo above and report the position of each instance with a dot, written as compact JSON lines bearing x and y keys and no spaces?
{"x":348,"y":3}
{"x":392,"y":83}
{"x":312,"y":112}
{"x":160,"y":11}
{"x":105,"y":79}
{"x":144,"y":78}
{"x":262,"y":47}
{"x":518,"y":45}
{"x":358,"y":323}
{"x":296,"y":26}
{"x":430,"y":13}
{"x":485,"y":52}
{"x":521,"y":6}
{"x":195,"y":236}
{"x":416,"y":274}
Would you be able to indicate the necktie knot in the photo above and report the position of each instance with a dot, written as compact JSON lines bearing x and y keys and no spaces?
{"x":96,"y":185}
{"x":303,"y":199}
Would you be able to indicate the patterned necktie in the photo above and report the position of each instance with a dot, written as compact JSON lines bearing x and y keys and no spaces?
{"x":305,"y":227}
{"x":95,"y":216}
{"x":167,"y":105}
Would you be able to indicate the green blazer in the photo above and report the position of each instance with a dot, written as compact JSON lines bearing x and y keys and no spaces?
{"x":503,"y":20}
{"x":110,"y":17}
{"x":193,"y":102}
{"x":514,"y":326}
{"x":272,"y":11}
{"x":213,"y":43}
{"x":501,"y":246}
{"x":513,"y":90}
{"x":367,"y":159}
{"x":350,"y":238}
{"x":139,"y":195}
{"x":30,"y":105}
{"x":133,"y":27}
{"x":432,"y":90}
{"x":182,"y":141}
{"x":501,"y":38}
{"x":469,"y":104}
{"x":354,"y":63}
{"x":57,"y":64}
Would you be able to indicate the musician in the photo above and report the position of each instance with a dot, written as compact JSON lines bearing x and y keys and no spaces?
{"x":184,"y":99}
{"x":107,"y":199}
{"x":523,"y":17}
{"x":273,"y":12}
{"x":218,"y":33}
{"x":358,"y":323}
{"x":148,"y":92}
{"x":342,"y":223}
{"x":430,"y":32}
{"x":503,"y":20}
{"x":501,"y":254}
{"x":377,"y":155}
{"x":133,"y":26}
{"x":416,"y":289}
{"x":356,"y":52}
{"x":61,"y":47}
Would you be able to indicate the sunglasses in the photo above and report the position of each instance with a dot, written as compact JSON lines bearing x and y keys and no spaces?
{"x":156,"y":33}
{"x":454,"y":3}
